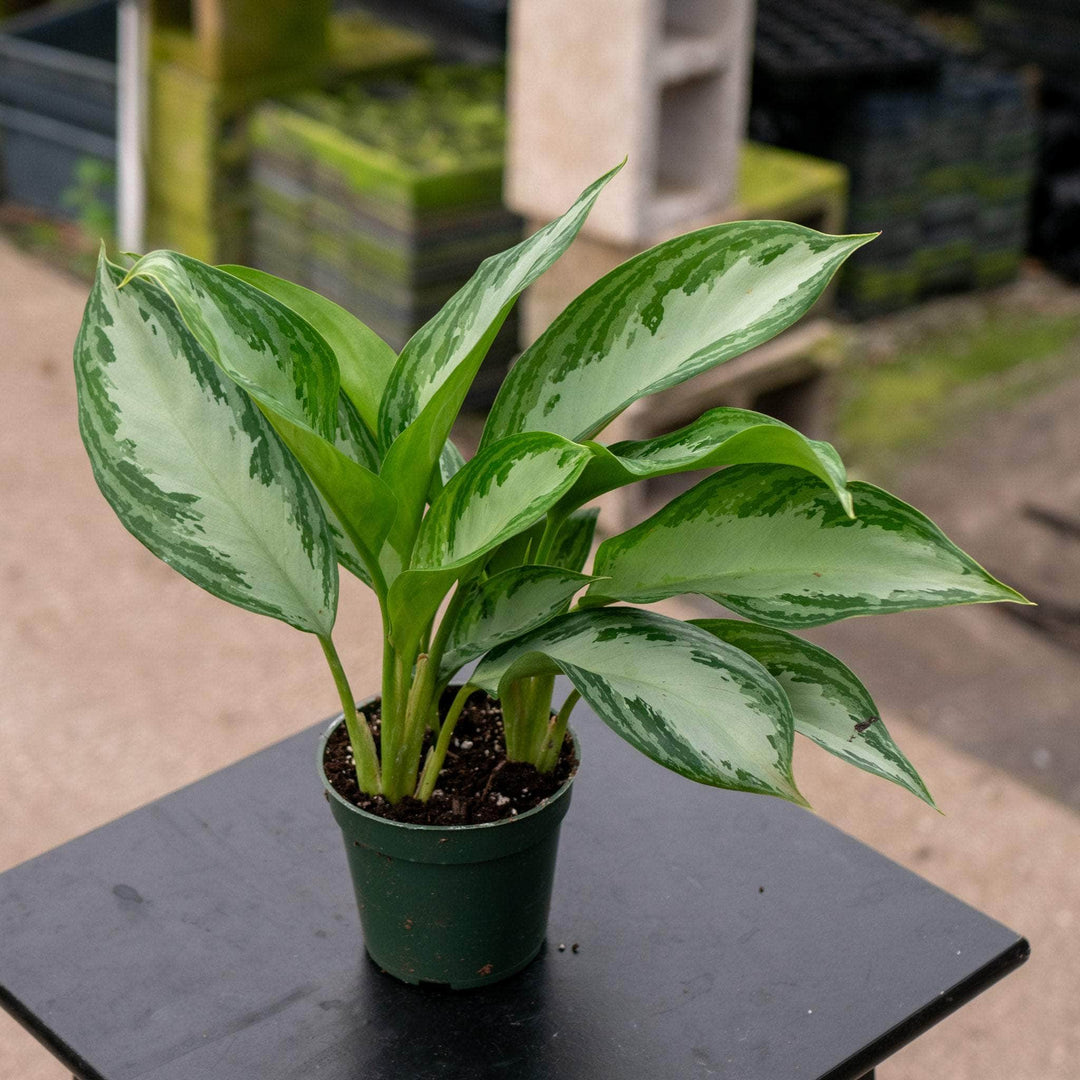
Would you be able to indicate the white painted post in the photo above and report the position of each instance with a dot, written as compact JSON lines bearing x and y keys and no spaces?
{"x":132,"y":19}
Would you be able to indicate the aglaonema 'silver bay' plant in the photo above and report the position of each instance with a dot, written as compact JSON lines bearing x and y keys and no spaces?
{"x":255,"y":436}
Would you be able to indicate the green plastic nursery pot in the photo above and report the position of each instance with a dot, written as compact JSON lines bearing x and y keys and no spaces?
{"x":457,"y":905}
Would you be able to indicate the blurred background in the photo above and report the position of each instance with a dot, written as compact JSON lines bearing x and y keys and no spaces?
{"x":377,"y":152}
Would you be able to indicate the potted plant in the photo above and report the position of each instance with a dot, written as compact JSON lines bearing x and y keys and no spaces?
{"x":255,"y":436}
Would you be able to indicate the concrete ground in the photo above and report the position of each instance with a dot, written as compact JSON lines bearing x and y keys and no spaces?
{"x":120,"y":681}
{"x":999,"y":681}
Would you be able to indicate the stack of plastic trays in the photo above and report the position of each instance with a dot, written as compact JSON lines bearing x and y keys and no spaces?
{"x":1047,"y":33}
{"x":1055,"y":210}
{"x":386,"y":195}
{"x":882,"y":141}
{"x":809,"y":53}
{"x":949,"y":197}
{"x":1043,"y":32}
{"x":1008,"y":144}
{"x":851,"y":82}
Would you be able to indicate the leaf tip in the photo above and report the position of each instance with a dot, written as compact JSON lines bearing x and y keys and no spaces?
{"x":919,"y":789}
{"x":1009,"y":595}
{"x":797,"y":797}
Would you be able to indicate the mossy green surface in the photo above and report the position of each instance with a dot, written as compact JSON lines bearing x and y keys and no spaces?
{"x":883,"y":288}
{"x":776,"y":183}
{"x":244,"y":42}
{"x":198,"y":147}
{"x":428,"y":138}
{"x":361,"y":42}
{"x":950,"y":179}
{"x":940,"y":260}
{"x":921,"y":392}
{"x":384,"y":194}
{"x":991,"y":188}
{"x":997,"y":267}
{"x":201,"y":100}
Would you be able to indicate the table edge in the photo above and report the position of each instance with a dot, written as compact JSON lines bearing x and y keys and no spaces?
{"x":79,"y":1067}
{"x":949,"y":1001}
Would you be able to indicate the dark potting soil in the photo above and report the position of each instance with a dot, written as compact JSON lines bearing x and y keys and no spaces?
{"x":477,"y":783}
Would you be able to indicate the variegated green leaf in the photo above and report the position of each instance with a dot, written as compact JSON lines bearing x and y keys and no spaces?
{"x":364,"y":360}
{"x":459,"y":335}
{"x":288,"y":368}
{"x":450,"y":461}
{"x":678,"y":694}
{"x":414,"y":597}
{"x":503,"y":490}
{"x":570,"y":550}
{"x":437,"y":366}
{"x":348,"y":554}
{"x":191,"y":466}
{"x":352,"y":437}
{"x":505,"y":606}
{"x":772,"y":543}
{"x":831,"y":706}
{"x":357,"y":443}
{"x":517,"y":550}
{"x":263,"y":346}
{"x":361,"y":506}
{"x":719,"y":437}
{"x":667,"y":314}
{"x":574,"y":542}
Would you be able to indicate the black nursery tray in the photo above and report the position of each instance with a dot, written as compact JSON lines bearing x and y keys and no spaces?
{"x":838,"y":46}
{"x":212,"y":935}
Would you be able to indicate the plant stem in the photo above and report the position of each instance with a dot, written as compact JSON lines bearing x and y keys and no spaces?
{"x":365,"y":757}
{"x":437,"y":754}
{"x":420,"y":710}
{"x":538,"y":712}
{"x":388,"y":706}
{"x":549,"y":754}
{"x":514,"y":720}
{"x":395,"y":731}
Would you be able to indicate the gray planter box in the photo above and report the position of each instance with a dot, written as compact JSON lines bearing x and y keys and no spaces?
{"x":57,"y":100}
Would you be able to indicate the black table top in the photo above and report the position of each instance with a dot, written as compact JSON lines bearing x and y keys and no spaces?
{"x":213,"y":935}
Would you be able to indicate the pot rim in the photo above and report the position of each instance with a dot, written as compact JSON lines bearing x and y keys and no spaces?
{"x":414,"y":827}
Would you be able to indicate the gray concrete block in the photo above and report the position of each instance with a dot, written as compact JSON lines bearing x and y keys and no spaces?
{"x":663,"y":83}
